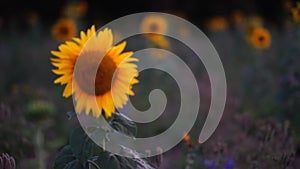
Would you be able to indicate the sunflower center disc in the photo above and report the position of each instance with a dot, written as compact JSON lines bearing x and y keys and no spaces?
{"x":84,"y":75}
{"x":64,"y":30}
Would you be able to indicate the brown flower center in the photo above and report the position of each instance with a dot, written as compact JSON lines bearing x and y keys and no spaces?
{"x":85,"y":70}
{"x":64,"y":30}
{"x":261,"y":38}
{"x":154,"y":27}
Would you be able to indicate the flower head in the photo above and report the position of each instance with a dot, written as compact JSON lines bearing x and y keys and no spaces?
{"x":296,"y":12}
{"x":115,"y":75}
{"x":238,"y":17}
{"x":209,"y":164}
{"x":76,"y":10}
{"x":217,"y":23}
{"x":230,"y":164}
{"x":39,"y":110}
{"x":64,"y":29}
{"x":155,"y":24}
{"x":260,"y":38}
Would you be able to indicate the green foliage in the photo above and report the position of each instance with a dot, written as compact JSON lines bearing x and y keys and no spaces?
{"x":123,"y":125}
{"x":64,"y":158}
{"x":83,"y":153}
{"x":107,"y":160}
{"x":82,"y":146}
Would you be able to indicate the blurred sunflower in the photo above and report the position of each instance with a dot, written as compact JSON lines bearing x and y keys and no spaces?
{"x":106,"y":84}
{"x":64,"y":29}
{"x":238,"y":17}
{"x":260,"y":38}
{"x":296,"y":12}
{"x":217,"y":23}
{"x":156,"y":24}
{"x":76,"y":10}
{"x":159,"y":41}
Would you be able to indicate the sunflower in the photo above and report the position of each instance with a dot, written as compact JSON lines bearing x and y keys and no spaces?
{"x":76,"y":10}
{"x":260,"y":38}
{"x":237,"y":17}
{"x":159,"y":41}
{"x":156,"y":24}
{"x":296,"y":12}
{"x":116,"y":74}
{"x":217,"y":23}
{"x":64,"y":29}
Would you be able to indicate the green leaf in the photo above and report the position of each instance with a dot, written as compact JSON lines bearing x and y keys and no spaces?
{"x":123,"y":125}
{"x":82,"y":146}
{"x":111,"y":161}
{"x":104,"y":160}
{"x":74,"y":165}
{"x":64,"y":157}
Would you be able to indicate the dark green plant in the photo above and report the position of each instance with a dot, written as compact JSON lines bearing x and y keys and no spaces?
{"x":83,"y":153}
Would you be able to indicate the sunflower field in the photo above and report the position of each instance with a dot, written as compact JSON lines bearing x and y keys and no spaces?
{"x":76,"y":92}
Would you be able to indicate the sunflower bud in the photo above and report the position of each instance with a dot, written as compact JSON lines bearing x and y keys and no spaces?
{"x":39,"y":111}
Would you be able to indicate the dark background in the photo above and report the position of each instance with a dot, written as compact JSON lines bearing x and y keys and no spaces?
{"x":196,"y":10}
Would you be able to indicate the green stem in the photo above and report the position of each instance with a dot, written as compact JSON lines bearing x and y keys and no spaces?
{"x":39,"y":141}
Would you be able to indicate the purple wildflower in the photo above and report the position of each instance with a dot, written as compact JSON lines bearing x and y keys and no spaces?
{"x":209,"y":164}
{"x":230,"y":164}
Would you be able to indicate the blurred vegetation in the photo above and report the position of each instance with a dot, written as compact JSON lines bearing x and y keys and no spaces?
{"x":258,"y":43}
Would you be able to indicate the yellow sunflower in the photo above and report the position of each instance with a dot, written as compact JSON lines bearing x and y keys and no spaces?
{"x":156,"y":24}
{"x":217,"y":23}
{"x":296,"y":12}
{"x":116,"y":74}
{"x":76,"y":10}
{"x":260,"y":38}
{"x":64,"y":29}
